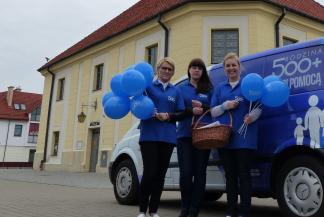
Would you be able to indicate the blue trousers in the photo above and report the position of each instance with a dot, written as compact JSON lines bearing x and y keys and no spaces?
{"x":192,"y":163}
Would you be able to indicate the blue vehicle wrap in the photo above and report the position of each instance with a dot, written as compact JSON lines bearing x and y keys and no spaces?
{"x":299,"y":123}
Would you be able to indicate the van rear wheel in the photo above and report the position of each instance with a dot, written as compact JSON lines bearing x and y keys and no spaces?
{"x":126,"y":183}
{"x":300,"y":187}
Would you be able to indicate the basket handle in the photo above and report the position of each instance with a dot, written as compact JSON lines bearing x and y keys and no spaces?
{"x":197,"y":122}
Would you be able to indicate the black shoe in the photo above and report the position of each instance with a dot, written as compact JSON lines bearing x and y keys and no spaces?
{"x":193,"y":214}
{"x":183,"y":213}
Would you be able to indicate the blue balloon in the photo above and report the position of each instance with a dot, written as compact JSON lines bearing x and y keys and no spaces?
{"x":117,"y":107}
{"x":271,"y":78}
{"x":276,"y":93}
{"x":116,"y":86}
{"x":133,"y":82}
{"x":130,"y":67}
{"x":106,"y":96}
{"x":252,"y":86}
{"x":146,"y":70}
{"x":142,"y":107}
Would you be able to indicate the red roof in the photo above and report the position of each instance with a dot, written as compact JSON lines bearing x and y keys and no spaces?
{"x":31,"y":100}
{"x":145,"y":10}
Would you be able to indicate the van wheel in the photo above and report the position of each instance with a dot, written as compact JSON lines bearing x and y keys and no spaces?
{"x":126,"y":183}
{"x":299,"y":187}
{"x":212,"y":195}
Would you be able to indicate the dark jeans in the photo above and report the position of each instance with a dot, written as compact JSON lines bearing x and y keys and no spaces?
{"x":237,"y":165}
{"x":192,"y":163}
{"x":156,"y":157}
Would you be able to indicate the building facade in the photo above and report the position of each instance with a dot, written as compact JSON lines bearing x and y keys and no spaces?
{"x":76,"y":79}
{"x":19,"y":125}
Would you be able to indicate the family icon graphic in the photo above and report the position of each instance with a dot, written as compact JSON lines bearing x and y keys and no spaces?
{"x":299,"y":131}
{"x":313,"y":122}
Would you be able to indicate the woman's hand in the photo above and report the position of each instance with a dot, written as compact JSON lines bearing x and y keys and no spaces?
{"x":162,"y":116}
{"x":197,"y":111}
{"x":231,"y":104}
{"x":196,"y":103}
{"x":248,"y":119}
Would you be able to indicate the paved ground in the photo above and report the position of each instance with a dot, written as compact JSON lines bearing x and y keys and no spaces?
{"x":30,"y":193}
{"x":73,"y":179}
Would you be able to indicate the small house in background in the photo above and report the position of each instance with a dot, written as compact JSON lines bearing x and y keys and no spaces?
{"x":19,"y":124}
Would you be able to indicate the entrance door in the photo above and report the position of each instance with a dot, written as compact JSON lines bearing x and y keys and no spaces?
{"x":94,"y":149}
{"x":31,"y":155}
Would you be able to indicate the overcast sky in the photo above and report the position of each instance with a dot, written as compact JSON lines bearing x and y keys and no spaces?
{"x":35,"y":29}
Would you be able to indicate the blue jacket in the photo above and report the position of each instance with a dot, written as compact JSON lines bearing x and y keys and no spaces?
{"x":225,"y":92}
{"x":189,"y":93}
{"x":168,"y":100}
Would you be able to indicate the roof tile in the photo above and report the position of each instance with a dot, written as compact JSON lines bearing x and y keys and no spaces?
{"x":147,"y":9}
{"x":31,"y":100}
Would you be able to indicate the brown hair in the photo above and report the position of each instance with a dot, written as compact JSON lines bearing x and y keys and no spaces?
{"x":204,"y":85}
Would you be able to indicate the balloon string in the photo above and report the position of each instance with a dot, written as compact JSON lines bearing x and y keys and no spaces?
{"x":245,"y":130}
{"x":250,"y":107}
{"x":257,"y":105}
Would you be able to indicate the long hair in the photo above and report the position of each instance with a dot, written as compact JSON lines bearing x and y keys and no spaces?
{"x":204,"y":85}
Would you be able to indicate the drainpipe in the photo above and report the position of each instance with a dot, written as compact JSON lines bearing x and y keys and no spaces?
{"x":5,"y":149}
{"x":277,"y":31}
{"x":41,"y":166}
{"x":166,"y":36}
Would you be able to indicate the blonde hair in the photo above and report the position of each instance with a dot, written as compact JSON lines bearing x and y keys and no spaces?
{"x":168,"y":60}
{"x":232,"y":56}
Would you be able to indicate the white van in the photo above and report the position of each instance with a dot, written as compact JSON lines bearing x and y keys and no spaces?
{"x":289,"y":165}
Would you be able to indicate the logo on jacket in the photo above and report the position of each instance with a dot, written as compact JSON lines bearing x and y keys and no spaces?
{"x":170,"y":98}
{"x":202,"y":95}
{"x":239,"y":98}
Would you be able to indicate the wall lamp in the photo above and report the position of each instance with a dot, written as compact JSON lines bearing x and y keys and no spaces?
{"x":82,"y":116}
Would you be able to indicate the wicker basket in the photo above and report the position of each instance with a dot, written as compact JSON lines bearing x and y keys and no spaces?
{"x":211,"y":137}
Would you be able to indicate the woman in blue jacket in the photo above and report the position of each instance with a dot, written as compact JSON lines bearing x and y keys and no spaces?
{"x":197,"y":91}
{"x":238,"y":154}
{"x":158,"y":137}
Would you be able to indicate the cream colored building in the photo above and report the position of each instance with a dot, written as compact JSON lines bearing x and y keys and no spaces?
{"x":76,"y":79}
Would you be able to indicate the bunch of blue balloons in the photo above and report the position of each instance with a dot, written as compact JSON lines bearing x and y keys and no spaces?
{"x":271,"y":91}
{"x":127,"y":93}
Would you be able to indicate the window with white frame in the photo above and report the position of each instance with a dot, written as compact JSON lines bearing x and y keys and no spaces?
{"x":223,"y":42}
{"x":55,"y":144}
{"x":33,"y":133}
{"x":152,"y":54}
{"x":97,"y":78}
{"x":60,"y":89}
{"x":18,"y":130}
{"x":32,"y":138}
{"x":19,"y":106}
{"x":35,"y":115}
{"x":288,"y":41}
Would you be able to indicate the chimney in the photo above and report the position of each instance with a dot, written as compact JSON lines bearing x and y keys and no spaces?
{"x":10,"y":95}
